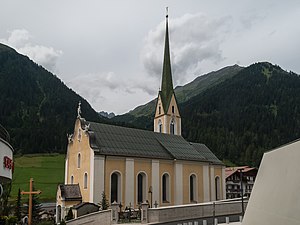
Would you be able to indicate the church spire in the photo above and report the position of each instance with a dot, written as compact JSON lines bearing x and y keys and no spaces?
{"x":166,"y":84}
{"x":167,"y":117}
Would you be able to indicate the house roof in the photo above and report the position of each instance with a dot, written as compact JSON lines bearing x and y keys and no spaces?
{"x":122,"y":141}
{"x":70,"y":191}
{"x":84,"y":204}
{"x":231,"y":170}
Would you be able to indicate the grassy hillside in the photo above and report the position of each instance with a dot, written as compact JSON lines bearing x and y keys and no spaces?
{"x":46,"y":170}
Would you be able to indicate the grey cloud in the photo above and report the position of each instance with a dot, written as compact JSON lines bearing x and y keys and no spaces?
{"x":20,"y":39}
{"x":194,"y":38}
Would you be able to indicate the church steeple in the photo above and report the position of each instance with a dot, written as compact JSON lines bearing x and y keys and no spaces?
{"x":166,"y":83}
{"x":167,"y":118}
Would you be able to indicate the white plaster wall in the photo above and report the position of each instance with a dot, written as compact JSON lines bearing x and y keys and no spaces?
{"x":178,"y":184}
{"x":206,"y":185}
{"x":275,"y":196}
{"x":212,"y":184}
{"x":129,"y":182}
{"x":98,"y":178}
{"x":155,"y":181}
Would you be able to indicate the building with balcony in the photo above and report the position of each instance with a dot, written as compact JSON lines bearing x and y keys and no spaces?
{"x":233,"y":181}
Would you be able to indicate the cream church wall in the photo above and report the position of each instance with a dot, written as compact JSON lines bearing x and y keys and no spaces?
{"x":82,"y":146}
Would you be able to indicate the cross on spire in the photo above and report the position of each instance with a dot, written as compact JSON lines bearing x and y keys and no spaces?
{"x":30,"y":193}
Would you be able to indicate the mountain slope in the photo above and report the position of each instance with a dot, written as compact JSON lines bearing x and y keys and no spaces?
{"x":142,"y":116}
{"x":36,"y":108}
{"x":254,"y":111}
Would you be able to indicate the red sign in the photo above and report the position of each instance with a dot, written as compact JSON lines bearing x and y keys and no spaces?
{"x":8,"y":163}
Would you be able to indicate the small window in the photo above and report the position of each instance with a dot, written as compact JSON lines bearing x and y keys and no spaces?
{"x":79,"y":134}
{"x":172,"y":127}
{"x":72,"y":179}
{"x":78,"y":160}
{"x":193,"y":188}
{"x":159,"y":110}
{"x":85,"y":181}
{"x":173,"y":109}
{"x":160,"y":128}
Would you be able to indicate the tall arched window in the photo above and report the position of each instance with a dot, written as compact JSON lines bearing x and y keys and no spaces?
{"x":141,"y":187}
{"x":172,"y":127}
{"x":78,"y":160}
{"x":193,"y":188}
{"x":218,"y":188}
{"x":72,"y":179}
{"x":166,"y":188}
{"x":85,"y":181}
{"x":115,"y":187}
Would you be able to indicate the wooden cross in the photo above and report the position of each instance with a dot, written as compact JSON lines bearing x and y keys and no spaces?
{"x":30,"y":193}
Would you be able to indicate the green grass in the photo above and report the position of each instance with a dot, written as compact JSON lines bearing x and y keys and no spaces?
{"x":47,"y":171}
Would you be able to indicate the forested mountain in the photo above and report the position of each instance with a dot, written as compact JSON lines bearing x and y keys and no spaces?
{"x":142,"y":116}
{"x":36,"y":108}
{"x":255,"y":110}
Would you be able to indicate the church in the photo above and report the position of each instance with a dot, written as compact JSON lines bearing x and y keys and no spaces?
{"x":132,"y":166}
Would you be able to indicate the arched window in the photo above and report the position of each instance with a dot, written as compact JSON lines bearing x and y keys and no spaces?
{"x":141,"y":187}
{"x":193,"y":188}
{"x":72,"y":179}
{"x":159,"y":126}
{"x":218,"y":188}
{"x":115,"y":187}
{"x":173,"y":109}
{"x":85,"y":181}
{"x":172,"y":127}
{"x":166,"y":188}
{"x":159,"y":110}
{"x":78,"y":160}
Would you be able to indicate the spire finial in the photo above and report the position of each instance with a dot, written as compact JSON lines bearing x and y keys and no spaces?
{"x":167,"y":12}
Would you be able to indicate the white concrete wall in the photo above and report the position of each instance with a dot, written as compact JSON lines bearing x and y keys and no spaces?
{"x":101,"y":217}
{"x":5,"y":151}
{"x":275,"y":196}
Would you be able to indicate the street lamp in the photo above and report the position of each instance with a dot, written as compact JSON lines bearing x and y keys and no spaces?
{"x":241,"y":178}
{"x":150,"y":192}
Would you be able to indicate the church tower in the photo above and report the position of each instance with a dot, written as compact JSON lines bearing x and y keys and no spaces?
{"x":167,"y":117}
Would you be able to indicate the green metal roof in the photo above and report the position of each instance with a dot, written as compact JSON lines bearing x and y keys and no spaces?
{"x":128,"y":142}
{"x":204,"y":150}
{"x":166,"y":83}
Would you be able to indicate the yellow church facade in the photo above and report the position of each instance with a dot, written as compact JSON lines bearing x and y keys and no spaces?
{"x":132,"y":166}
{"x":133,"y":179}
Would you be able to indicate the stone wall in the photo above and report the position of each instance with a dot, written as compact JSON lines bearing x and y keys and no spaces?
{"x":101,"y":217}
{"x":193,"y":211}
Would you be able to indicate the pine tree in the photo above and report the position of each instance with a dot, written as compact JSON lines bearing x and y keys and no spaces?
{"x":104,"y":202}
{"x":36,"y":209}
{"x":18,"y":206}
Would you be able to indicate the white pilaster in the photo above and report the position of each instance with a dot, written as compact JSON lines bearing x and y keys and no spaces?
{"x":91,"y":176}
{"x":129,"y":181}
{"x":223,"y":182}
{"x":206,"y":194}
{"x":212,"y":184}
{"x":66,"y":170}
{"x":99,"y":164}
{"x":155,"y":181}
{"x":178,"y":184}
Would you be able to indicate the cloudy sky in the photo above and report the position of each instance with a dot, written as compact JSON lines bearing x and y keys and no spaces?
{"x":110,"y":52}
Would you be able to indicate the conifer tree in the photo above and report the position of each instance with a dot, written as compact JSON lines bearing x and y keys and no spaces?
{"x":18,"y":211}
{"x":104,"y":202}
